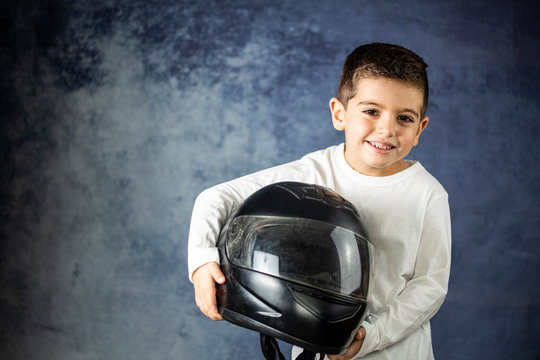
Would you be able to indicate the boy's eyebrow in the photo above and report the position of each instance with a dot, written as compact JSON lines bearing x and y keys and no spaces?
{"x":368,"y":103}
{"x":412,"y":112}
{"x":371,"y":103}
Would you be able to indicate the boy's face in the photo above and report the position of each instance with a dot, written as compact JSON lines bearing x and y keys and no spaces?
{"x":382,"y":123}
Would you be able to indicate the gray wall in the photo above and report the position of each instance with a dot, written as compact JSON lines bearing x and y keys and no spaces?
{"x":115,"y":115}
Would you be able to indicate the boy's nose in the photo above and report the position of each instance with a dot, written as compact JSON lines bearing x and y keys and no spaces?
{"x":386,"y":126}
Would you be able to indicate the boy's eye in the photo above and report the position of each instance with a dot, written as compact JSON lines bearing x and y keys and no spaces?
{"x":405,"y":118}
{"x":371,"y":112}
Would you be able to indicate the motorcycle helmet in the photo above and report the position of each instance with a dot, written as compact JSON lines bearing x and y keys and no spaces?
{"x":298,"y":266}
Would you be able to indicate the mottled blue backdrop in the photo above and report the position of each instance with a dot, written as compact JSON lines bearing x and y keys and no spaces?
{"x":116,"y":114}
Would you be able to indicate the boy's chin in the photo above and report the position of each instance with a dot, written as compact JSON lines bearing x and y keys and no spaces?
{"x":385,"y":168}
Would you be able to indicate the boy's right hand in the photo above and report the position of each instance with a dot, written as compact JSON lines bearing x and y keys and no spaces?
{"x":204,"y":283}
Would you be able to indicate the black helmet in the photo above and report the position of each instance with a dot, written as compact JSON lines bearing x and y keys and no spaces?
{"x":298,"y":266}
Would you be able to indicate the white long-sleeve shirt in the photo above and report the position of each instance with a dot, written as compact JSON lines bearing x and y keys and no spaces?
{"x":407,"y":218}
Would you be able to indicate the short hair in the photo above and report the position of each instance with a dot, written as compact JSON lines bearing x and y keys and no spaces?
{"x":382,"y":60}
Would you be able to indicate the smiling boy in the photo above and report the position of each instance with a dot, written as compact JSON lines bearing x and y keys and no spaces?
{"x":382,"y":123}
{"x":381,"y":105}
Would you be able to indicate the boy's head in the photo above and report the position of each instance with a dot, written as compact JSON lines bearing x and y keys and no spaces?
{"x":382,"y":60}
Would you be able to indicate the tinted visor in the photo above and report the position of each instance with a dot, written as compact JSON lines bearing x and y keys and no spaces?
{"x":309,"y":252}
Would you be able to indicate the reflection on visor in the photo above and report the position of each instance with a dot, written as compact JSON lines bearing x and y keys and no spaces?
{"x":305,"y":251}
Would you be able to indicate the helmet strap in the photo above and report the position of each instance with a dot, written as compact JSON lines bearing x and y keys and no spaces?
{"x":270,"y":350}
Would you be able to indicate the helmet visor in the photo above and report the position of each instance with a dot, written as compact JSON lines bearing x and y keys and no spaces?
{"x":305,"y":251}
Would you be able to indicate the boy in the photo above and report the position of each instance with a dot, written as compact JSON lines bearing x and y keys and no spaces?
{"x":381,"y":105}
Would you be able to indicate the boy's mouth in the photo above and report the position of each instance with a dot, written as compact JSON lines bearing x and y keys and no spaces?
{"x":380,"y":145}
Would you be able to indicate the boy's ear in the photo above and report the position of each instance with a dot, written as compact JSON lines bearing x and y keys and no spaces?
{"x":338,"y":110}
{"x":421,"y":127}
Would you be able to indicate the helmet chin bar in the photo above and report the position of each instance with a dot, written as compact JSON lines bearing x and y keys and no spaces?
{"x":240,"y":302}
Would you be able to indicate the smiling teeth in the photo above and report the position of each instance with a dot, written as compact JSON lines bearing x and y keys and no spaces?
{"x":380,"y":146}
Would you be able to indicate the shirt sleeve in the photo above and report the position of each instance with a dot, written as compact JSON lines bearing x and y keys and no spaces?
{"x":215,"y":205}
{"x":424,"y":293}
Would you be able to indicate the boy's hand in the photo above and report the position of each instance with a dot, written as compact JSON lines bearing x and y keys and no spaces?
{"x":354,"y":348}
{"x":204,"y":283}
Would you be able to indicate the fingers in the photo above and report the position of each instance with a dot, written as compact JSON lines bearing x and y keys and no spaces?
{"x":205,"y":297}
{"x":216,"y":273}
{"x":353,"y":349}
{"x":204,"y":283}
{"x":361,"y":333}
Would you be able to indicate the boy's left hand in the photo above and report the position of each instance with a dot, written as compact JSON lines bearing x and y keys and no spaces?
{"x":354,"y":348}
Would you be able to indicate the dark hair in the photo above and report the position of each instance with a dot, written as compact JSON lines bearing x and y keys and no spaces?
{"x":382,"y":60}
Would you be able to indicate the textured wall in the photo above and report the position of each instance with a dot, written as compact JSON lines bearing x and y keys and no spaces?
{"x":115,"y":115}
